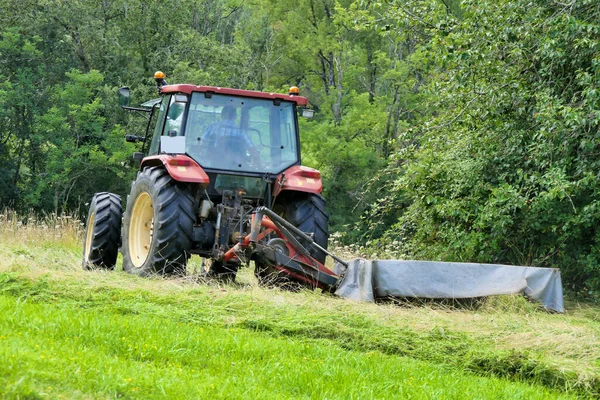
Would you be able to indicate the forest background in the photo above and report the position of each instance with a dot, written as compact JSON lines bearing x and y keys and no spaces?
{"x":445,"y":130}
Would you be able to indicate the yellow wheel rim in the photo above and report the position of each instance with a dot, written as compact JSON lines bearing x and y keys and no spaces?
{"x":89,"y":236}
{"x":141,"y":230}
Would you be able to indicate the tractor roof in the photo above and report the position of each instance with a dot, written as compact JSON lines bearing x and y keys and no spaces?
{"x":299,"y":100}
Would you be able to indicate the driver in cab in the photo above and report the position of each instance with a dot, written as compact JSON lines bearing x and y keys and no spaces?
{"x":228,"y":144}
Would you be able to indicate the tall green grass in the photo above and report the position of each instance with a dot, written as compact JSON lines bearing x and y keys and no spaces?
{"x":66,"y":332}
{"x":59,"y":350}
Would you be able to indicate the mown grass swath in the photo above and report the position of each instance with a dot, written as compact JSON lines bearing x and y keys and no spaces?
{"x":183,"y":335}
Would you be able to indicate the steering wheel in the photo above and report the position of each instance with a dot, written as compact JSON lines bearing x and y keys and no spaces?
{"x":259,"y":135}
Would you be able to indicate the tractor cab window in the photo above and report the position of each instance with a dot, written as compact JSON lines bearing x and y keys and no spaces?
{"x":175,"y":113}
{"x":159,"y":125}
{"x":241,"y":134}
{"x":169,"y":120}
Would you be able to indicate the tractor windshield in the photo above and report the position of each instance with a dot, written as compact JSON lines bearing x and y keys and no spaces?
{"x":241,"y":134}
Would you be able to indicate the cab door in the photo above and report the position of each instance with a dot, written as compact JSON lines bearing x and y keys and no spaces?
{"x":157,"y":125}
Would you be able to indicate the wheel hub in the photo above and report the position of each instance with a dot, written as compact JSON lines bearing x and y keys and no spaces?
{"x":141,"y":229}
{"x":279,"y":245}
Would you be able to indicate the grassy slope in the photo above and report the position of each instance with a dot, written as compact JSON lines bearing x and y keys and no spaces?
{"x":70,"y":333}
{"x":56,"y":350}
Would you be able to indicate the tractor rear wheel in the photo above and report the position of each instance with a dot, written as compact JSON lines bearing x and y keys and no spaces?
{"x":103,"y":233}
{"x":306,"y":211}
{"x":158,"y":225}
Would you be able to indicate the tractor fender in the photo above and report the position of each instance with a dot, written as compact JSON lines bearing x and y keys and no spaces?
{"x":181,"y":168}
{"x":300,"y":179}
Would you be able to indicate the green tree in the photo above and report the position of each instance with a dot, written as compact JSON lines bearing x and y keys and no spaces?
{"x":507,"y":172}
{"x":82,"y":154}
{"x":20,"y":101}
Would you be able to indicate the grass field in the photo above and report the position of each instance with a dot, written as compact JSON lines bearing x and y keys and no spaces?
{"x":66,"y":333}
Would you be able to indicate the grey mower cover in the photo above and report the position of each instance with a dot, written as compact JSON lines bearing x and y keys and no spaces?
{"x":366,"y":280}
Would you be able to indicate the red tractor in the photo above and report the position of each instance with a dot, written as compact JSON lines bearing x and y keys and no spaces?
{"x":220,"y":176}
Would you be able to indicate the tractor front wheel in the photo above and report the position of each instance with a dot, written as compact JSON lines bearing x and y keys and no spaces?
{"x":158,"y":226}
{"x":103,"y":233}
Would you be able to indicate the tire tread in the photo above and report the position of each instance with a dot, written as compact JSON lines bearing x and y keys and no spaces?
{"x":106,"y":234}
{"x":173,"y":227}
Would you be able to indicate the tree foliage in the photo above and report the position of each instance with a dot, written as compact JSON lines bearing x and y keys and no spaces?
{"x":507,"y":171}
{"x":460,"y":131}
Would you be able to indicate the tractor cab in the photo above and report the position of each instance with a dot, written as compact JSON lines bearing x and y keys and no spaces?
{"x":237,"y":139}
{"x":237,"y":136}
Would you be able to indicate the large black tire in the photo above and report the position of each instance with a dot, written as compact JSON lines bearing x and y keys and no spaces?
{"x":103,"y":234}
{"x":306,"y":211}
{"x":158,"y":225}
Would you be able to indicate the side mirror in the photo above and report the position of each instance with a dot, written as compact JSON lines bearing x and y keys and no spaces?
{"x":308,"y":112}
{"x":124,"y":97}
{"x":134,"y":138}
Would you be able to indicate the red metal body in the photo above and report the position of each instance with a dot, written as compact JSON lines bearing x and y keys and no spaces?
{"x":181,"y":168}
{"x":299,"y":178}
{"x":184,"y":169}
{"x":296,"y":178}
{"x":188,"y":89}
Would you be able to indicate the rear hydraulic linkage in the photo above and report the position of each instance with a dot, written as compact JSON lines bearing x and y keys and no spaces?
{"x":296,"y":260}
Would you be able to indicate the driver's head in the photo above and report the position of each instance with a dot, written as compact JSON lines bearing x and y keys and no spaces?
{"x":228,"y":113}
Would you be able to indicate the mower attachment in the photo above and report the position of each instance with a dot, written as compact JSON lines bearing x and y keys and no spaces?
{"x":365,"y":280}
{"x":289,"y":256}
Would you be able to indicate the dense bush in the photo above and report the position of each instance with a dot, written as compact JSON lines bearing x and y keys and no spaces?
{"x":508,"y":170}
